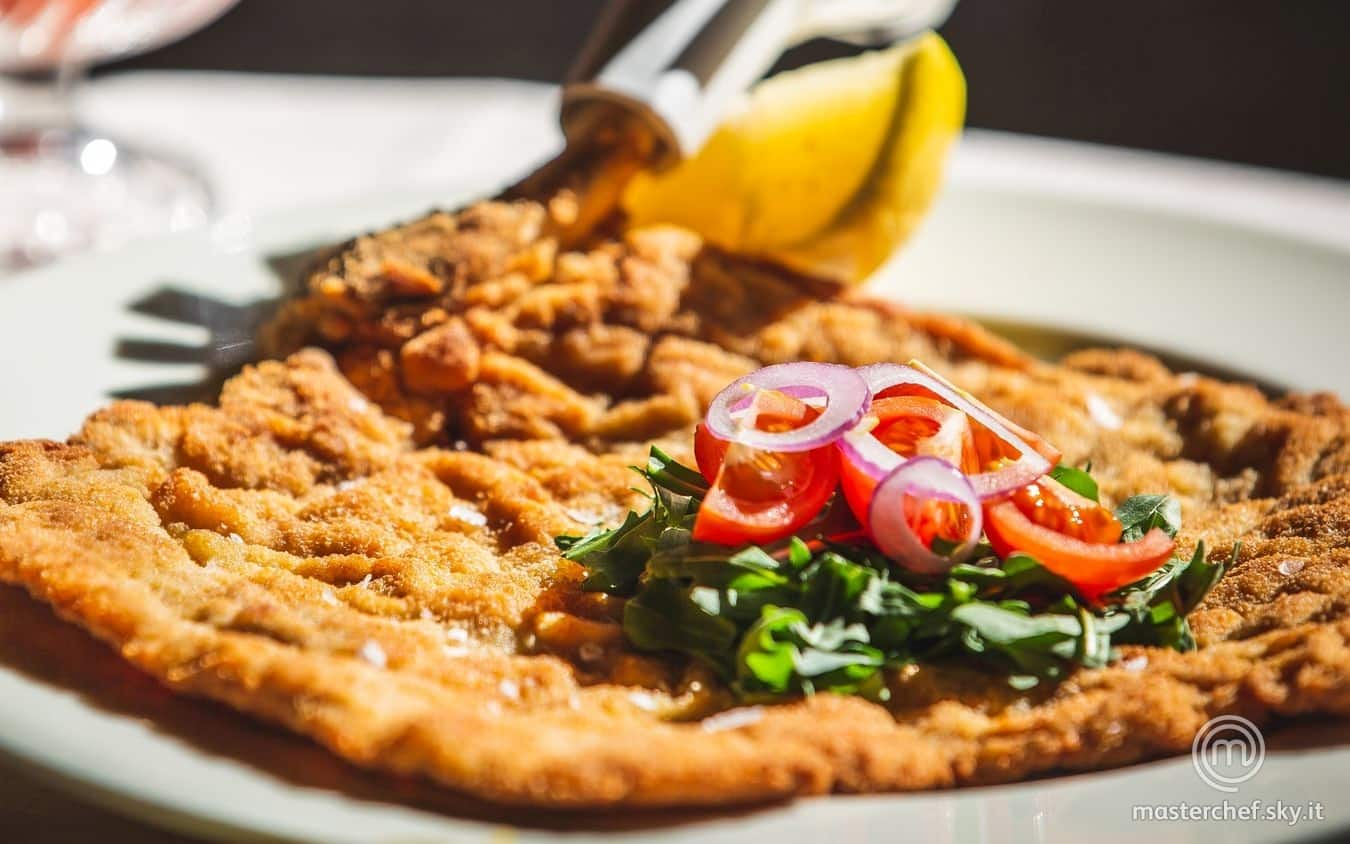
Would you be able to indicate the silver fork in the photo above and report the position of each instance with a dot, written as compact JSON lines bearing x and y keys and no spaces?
{"x":656,"y":76}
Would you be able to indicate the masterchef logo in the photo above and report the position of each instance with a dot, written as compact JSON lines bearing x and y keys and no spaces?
{"x":1227,"y":751}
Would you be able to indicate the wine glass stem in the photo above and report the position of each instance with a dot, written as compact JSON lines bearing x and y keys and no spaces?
{"x":39,"y":100}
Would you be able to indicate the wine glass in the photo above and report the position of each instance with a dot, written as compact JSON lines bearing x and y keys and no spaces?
{"x":65,"y":187}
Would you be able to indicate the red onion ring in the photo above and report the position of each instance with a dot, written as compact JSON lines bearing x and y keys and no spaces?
{"x":862,"y":448}
{"x":1029,"y":465}
{"x":813,"y":396}
{"x":927,"y":477}
{"x":847,"y":399}
{"x":868,"y":453}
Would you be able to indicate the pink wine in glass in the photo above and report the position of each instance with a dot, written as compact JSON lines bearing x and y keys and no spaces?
{"x":69,"y":187}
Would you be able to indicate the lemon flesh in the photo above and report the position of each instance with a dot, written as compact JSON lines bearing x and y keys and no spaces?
{"x":827,"y":168}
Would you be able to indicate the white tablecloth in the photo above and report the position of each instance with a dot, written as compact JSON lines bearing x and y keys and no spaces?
{"x":272,"y":142}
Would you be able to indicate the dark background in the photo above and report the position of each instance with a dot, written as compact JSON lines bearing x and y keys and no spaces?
{"x":1259,"y":81}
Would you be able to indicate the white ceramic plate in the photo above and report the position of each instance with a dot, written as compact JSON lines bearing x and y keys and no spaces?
{"x":1242,"y":271}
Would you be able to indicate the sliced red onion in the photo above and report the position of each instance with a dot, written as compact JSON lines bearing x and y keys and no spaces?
{"x":1026,"y":468}
{"x":862,"y":448}
{"x":922,"y":477}
{"x":813,"y":396}
{"x":846,"y":394}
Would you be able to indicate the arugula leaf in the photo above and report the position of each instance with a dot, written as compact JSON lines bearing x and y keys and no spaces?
{"x":1018,"y":574}
{"x":1039,"y":645}
{"x":616,"y":558}
{"x":1198,"y":577}
{"x":783,"y":652}
{"x":666,"y":617}
{"x":1141,"y":513}
{"x":1156,"y":606}
{"x":1077,"y":480}
{"x":664,"y":472}
{"x":800,"y":618}
{"x":833,"y":586}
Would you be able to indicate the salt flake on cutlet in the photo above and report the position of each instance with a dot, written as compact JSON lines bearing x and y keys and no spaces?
{"x":643,"y":701}
{"x":372,"y":653}
{"x":1135,"y":663}
{"x":467,"y":514}
{"x":732,"y":719}
{"x":1102,"y":413}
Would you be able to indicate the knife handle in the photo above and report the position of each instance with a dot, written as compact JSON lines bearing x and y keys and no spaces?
{"x":677,"y":66}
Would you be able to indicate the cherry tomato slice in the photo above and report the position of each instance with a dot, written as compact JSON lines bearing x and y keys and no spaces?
{"x":987,"y":446}
{"x":773,"y":411}
{"x":709,"y":452}
{"x":858,"y":488}
{"x":762,"y":496}
{"x":933,"y":519}
{"x":1095,"y":568}
{"x":1052,"y":505}
{"x":909,"y":425}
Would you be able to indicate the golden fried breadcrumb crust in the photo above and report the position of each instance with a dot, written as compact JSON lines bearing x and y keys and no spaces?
{"x":626,"y":340}
{"x":298,"y":553}
{"x":290,"y":554}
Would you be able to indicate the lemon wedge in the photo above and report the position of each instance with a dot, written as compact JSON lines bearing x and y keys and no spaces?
{"x":826,"y":169}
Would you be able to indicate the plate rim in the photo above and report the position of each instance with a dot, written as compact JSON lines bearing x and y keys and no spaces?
{"x":279,"y":228}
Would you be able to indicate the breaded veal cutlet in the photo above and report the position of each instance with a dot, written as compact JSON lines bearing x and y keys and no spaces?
{"x":368,"y":560}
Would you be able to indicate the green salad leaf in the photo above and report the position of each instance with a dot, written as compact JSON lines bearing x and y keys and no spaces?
{"x":1140,"y":514}
{"x":1159,"y":603}
{"x":811,"y":615}
{"x":616,"y":558}
{"x":1077,"y":480}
